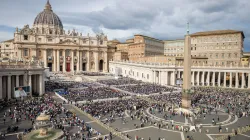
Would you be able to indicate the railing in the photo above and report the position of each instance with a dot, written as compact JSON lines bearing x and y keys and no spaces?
{"x":178,"y":65}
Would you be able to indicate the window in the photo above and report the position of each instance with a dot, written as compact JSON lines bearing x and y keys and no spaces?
{"x":39,"y":39}
{"x":26,"y":52}
{"x":222,"y":55}
{"x":7,"y":46}
{"x":40,"y":53}
{"x":50,"y":32}
{"x":74,"y":40}
{"x":25,"y":37}
{"x":49,"y":40}
{"x":148,"y":76}
{"x":236,"y":55}
{"x":61,"y":40}
{"x":7,"y":54}
{"x":74,"y":53}
{"x":229,"y":55}
{"x":216,"y":55}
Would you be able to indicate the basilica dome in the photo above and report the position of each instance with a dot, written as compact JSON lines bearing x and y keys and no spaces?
{"x":48,"y":17}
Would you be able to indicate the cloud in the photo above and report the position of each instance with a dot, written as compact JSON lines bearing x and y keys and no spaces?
{"x":163,"y":19}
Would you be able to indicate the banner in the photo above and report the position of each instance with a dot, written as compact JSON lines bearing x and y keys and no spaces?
{"x":20,"y":92}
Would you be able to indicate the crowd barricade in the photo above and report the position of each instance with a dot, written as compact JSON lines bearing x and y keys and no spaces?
{"x":61,"y":97}
{"x":119,"y":134}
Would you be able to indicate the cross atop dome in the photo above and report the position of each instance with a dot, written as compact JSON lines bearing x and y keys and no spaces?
{"x":48,"y":6}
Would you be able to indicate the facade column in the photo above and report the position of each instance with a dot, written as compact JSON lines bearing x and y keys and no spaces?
{"x":9,"y":87}
{"x":243,"y":80}
{"x":219,"y":77}
{"x":58,"y":60}
{"x":105,"y":61}
{"x":88,"y":61}
{"x":1,"y":87}
{"x":225,"y":79}
{"x":17,"y":80}
{"x":236,"y":80}
{"x":230,"y":82}
{"x":64,"y":61}
{"x":202,"y":78}
{"x":45,"y":57}
{"x":30,"y":85}
{"x":214,"y":79}
{"x":72,"y":61}
{"x":54,"y":61}
{"x":248,"y":81}
{"x":198,"y":78}
{"x":192,"y":78}
{"x":78,"y":61}
{"x":41,"y":84}
{"x":208,"y":78}
{"x":96,"y":61}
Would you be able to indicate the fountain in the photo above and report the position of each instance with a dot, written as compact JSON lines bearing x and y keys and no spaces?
{"x":43,"y":130}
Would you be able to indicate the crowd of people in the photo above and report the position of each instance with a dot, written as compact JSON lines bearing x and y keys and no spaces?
{"x":92,"y":73}
{"x":26,"y":111}
{"x":120,"y":81}
{"x":92,"y":94}
{"x":113,"y":108}
{"x":50,"y":86}
{"x":146,"y":88}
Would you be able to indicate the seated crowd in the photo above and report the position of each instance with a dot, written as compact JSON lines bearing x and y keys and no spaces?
{"x":92,"y":94}
{"x":52,"y":85}
{"x":120,"y":81}
{"x":146,"y":88}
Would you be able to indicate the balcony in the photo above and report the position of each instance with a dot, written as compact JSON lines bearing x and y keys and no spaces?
{"x":61,"y":58}
{"x":75,"y":59}
{"x":68,"y":59}
{"x":84,"y":59}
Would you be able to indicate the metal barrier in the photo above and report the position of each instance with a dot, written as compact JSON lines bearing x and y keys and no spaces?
{"x":119,"y":134}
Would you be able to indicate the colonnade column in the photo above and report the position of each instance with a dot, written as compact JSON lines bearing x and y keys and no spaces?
{"x":178,"y":74}
{"x":208,"y":78}
{"x":54,"y":61}
{"x":219,"y":77}
{"x":45,"y":57}
{"x":159,"y":77}
{"x":236,"y":80}
{"x":64,"y":61}
{"x":80,"y":60}
{"x":174,"y":78}
{"x":243,"y":80}
{"x":248,"y":81}
{"x":225,"y":79}
{"x":230,"y":82}
{"x":1,"y":87}
{"x":30,"y":85}
{"x":202,"y":78}
{"x":153,"y":77}
{"x":58,"y":60}
{"x":105,"y":61}
{"x":192,"y":78}
{"x":213,"y":78}
{"x":166,"y":77}
{"x":72,"y":61}
{"x":9,"y":87}
{"x":17,"y":80}
{"x":41,"y":84}
{"x":198,"y":78}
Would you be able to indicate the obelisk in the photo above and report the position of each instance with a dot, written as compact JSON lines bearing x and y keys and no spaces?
{"x":186,"y":89}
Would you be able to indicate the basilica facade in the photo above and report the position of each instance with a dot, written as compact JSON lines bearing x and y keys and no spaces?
{"x":61,"y":50}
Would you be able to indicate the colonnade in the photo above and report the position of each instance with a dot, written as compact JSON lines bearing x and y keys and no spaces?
{"x":10,"y":81}
{"x":75,"y":60}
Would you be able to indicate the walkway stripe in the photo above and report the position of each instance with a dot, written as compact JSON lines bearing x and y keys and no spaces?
{"x":245,"y":135}
{"x":136,"y":129}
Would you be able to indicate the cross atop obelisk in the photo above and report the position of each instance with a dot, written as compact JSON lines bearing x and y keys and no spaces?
{"x":188,"y":28}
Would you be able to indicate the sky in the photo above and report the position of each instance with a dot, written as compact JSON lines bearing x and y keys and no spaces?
{"x":121,"y":19}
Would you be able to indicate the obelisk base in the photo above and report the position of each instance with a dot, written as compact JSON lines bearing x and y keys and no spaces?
{"x":186,"y":103}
